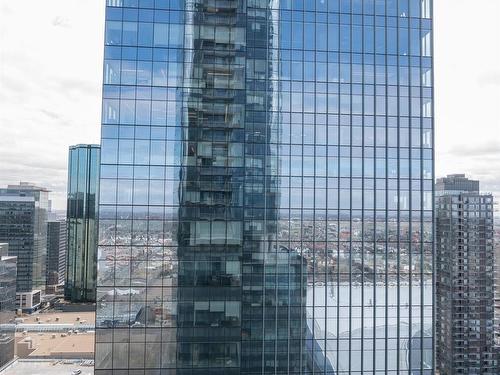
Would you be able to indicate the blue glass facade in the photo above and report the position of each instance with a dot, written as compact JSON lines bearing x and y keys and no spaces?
{"x":266,"y":199}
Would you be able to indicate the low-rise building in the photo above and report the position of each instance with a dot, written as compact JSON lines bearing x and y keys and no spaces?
{"x":29,"y":301}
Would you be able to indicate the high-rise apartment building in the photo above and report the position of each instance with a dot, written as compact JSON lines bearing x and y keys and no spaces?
{"x":8,"y":273}
{"x":82,"y":222}
{"x":496,"y":243}
{"x":465,"y":278}
{"x":57,"y":243}
{"x":23,"y":225}
{"x":266,"y":198}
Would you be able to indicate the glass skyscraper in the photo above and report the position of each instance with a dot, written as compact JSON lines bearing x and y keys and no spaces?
{"x":82,"y":222}
{"x":266,"y":198}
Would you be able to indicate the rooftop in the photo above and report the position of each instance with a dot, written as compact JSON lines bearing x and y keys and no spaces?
{"x":48,"y":367}
{"x":57,"y":345}
{"x":26,"y":186}
{"x":53,"y":335}
{"x":57,"y":317}
{"x":84,"y":146}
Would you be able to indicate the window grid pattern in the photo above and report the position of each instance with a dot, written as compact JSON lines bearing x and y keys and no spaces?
{"x":465,"y":293}
{"x":266,"y":188}
{"x":82,"y":219}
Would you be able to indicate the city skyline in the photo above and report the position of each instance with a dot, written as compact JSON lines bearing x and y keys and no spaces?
{"x":49,"y":68}
{"x":246,"y":187}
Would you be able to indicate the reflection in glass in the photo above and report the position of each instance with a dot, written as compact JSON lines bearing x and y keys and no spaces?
{"x":82,"y":208}
{"x":266,"y":196}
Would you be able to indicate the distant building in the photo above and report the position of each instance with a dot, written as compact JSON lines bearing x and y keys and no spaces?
{"x":83,"y":188}
{"x":240,"y":138}
{"x":455,"y":184}
{"x":23,"y":225}
{"x":56,"y":253}
{"x":8,"y":272}
{"x":465,"y":278}
{"x":496,"y":241}
{"x":51,"y":214}
{"x":29,"y":301}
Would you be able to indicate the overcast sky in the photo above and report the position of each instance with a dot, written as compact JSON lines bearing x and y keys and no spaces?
{"x":50,"y":88}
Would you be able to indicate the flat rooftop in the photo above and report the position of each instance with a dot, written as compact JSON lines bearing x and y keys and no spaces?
{"x":57,"y":317}
{"x":79,"y":345}
{"x":49,"y":334}
{"x":49,"y":367}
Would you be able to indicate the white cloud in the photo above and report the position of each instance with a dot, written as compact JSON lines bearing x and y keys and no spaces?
{"x":467,"y":80}
{"x":50,"y":87}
